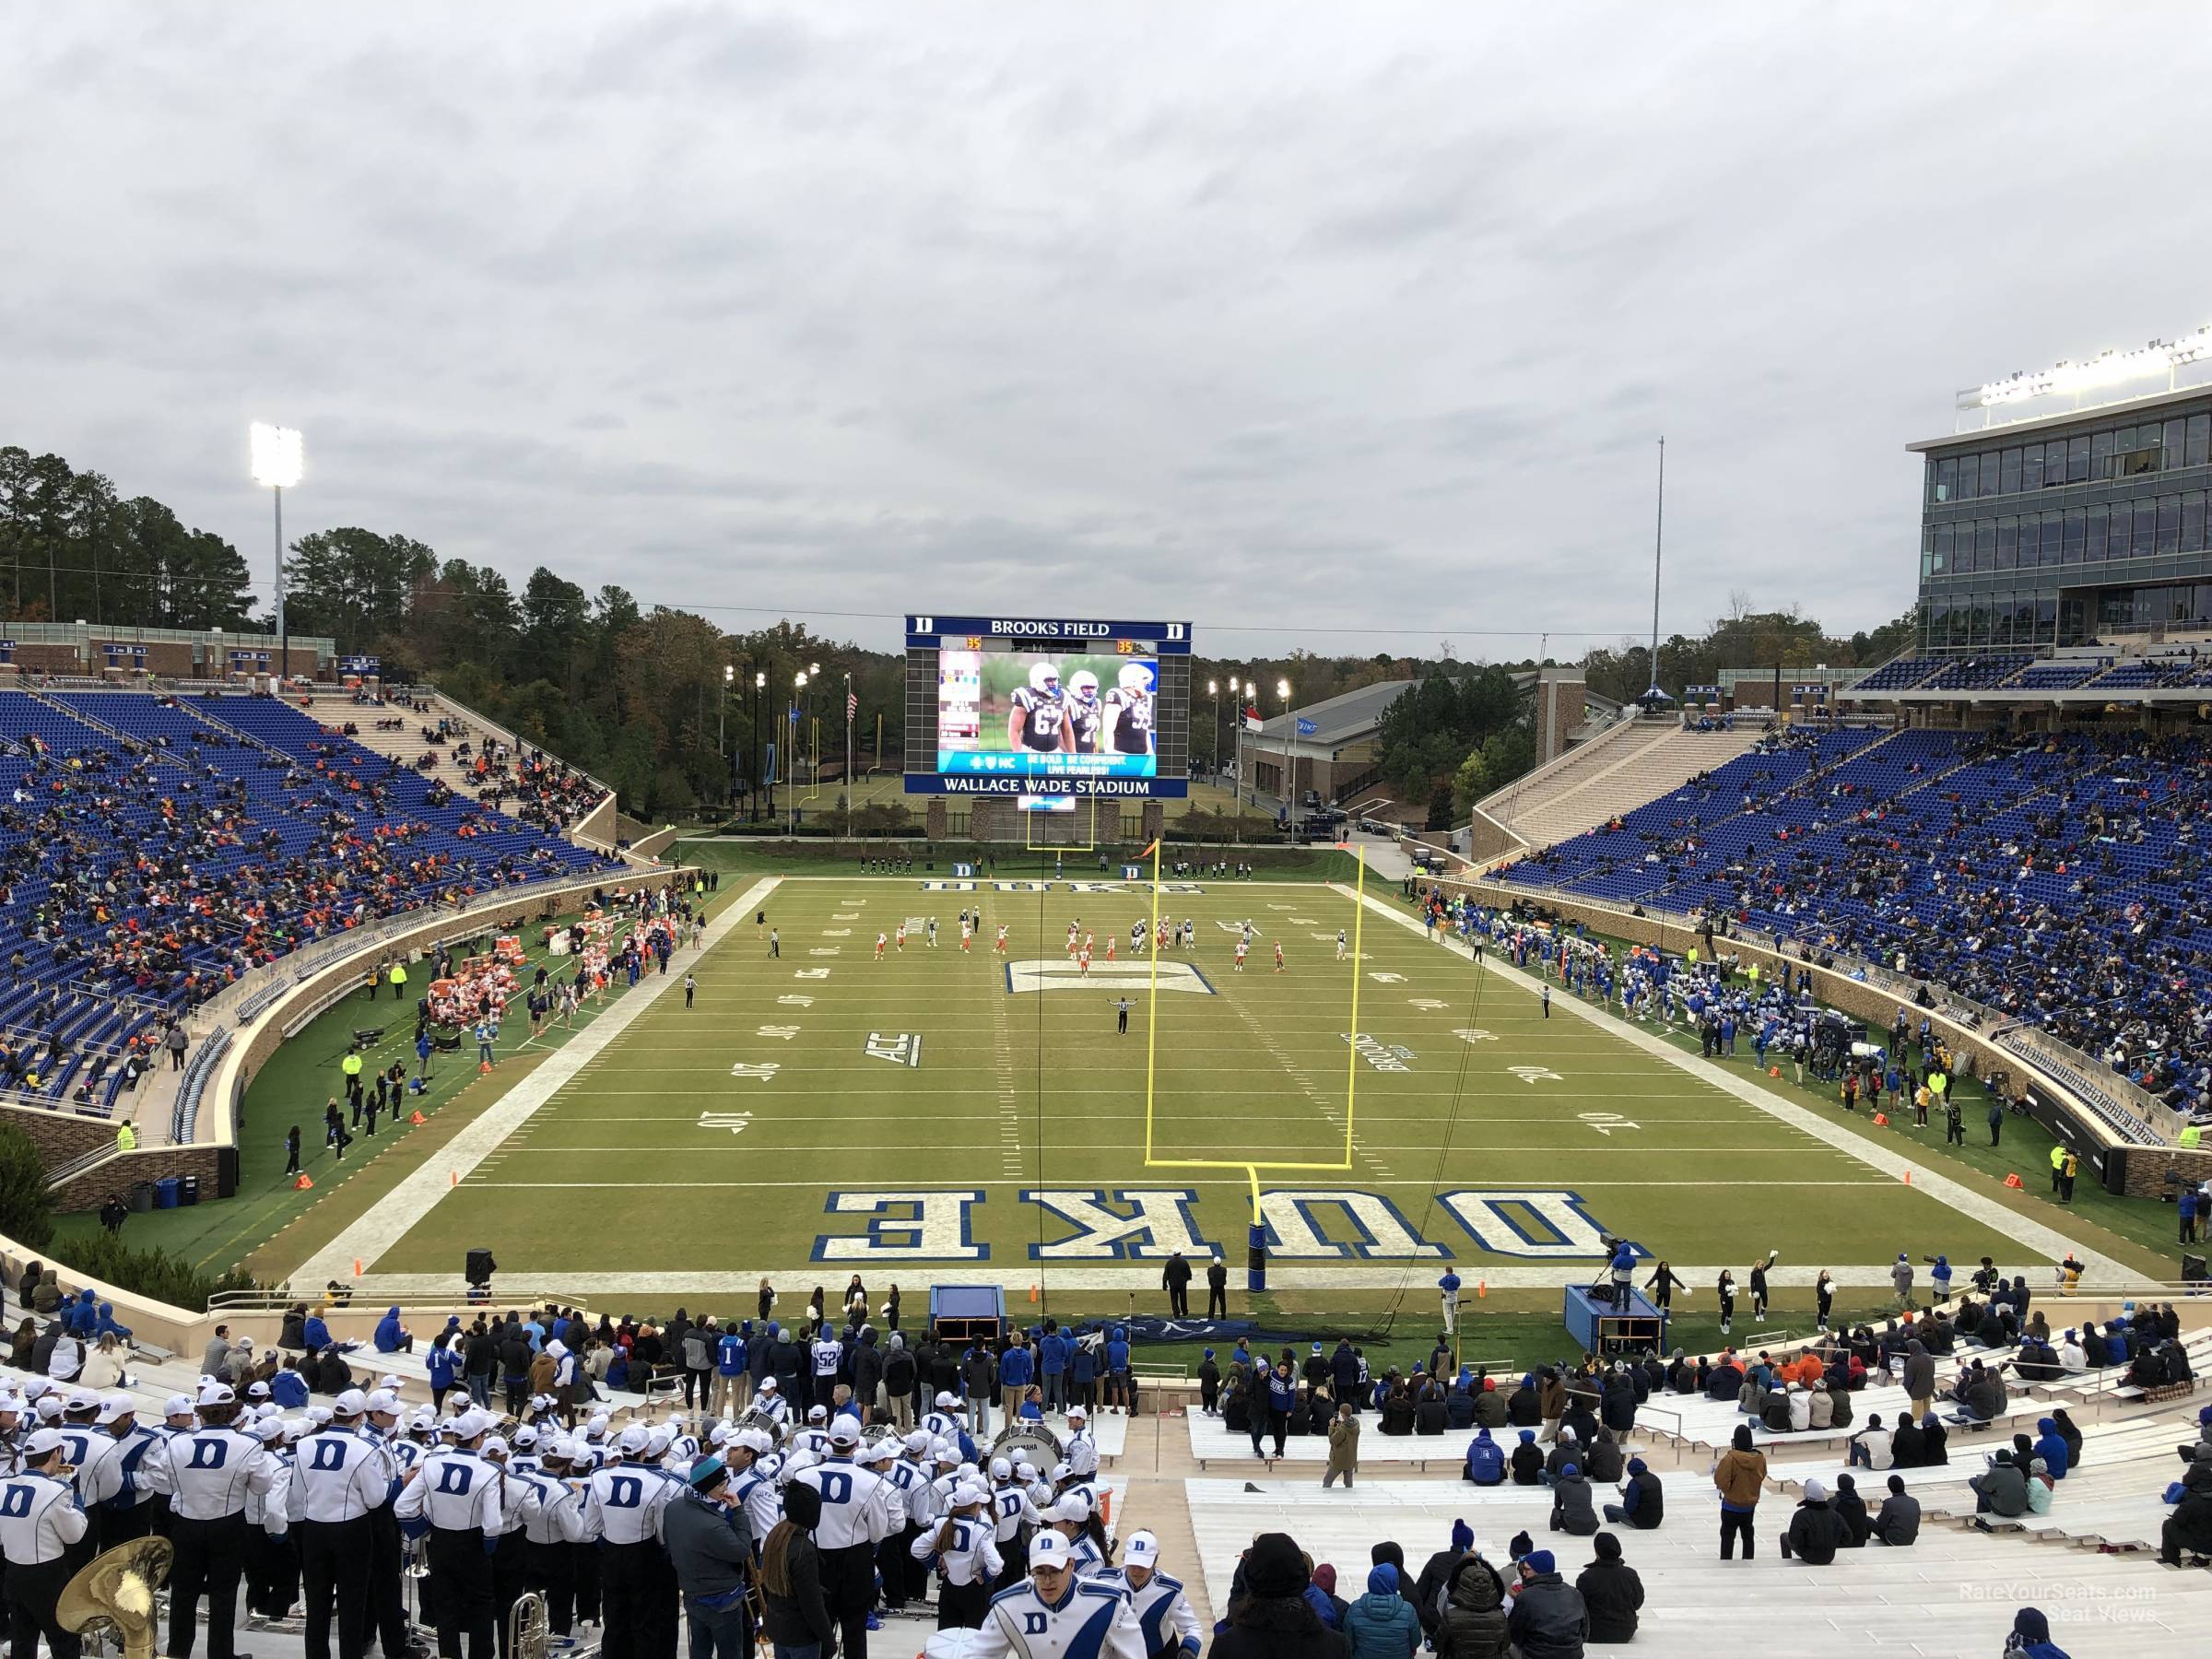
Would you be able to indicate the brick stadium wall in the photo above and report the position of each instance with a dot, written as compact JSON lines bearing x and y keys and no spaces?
{"x":173,"y":657}
{"x":2144,"y":1168}
{"x":1489,"y":839}
{"x":118,"y":1175}
{"x":59,"y":1136}
{"x":48,"y":659}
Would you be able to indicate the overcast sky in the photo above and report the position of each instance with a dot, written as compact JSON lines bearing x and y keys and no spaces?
{"x":1355,"y":325}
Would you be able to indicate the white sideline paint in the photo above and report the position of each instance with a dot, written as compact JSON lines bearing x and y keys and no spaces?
{"x":389,"y":1217}
{"x":2043,"y":1243}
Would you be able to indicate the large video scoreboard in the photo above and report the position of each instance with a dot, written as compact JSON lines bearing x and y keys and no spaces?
{"x":1047,"y":708}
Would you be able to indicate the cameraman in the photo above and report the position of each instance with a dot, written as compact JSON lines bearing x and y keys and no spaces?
{"x":40,"y":1525}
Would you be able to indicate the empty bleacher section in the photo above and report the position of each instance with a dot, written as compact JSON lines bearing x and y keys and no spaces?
{"x":152,"y":849}
{"x":1628,"y":765}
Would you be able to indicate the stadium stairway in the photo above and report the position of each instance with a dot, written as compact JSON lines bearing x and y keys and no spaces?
{"x":1610,"y":775}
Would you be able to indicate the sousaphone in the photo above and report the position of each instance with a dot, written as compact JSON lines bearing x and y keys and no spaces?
{"x":114,"y":1592}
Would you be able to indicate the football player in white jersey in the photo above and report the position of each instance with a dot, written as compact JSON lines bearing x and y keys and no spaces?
{"x":1129,"y":712}
{"x":1039,"y":721}
{"x":1086,"y":718}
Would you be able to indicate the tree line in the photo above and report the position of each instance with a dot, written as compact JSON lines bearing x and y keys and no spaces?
{"x":667,"y":706}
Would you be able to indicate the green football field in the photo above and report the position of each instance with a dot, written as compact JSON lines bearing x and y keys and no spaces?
{"x":950,"y":1116}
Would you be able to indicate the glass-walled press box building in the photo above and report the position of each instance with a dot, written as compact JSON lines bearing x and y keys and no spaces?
{"x":2039,"y":530}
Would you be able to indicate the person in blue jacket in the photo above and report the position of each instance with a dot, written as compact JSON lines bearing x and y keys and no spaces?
{"x":108,"y":1325}
{"x":443,"y":1366}
{"x":2052,"y":1448}
{"x":1052,"y":1368}
{"x":288,"y":1388}
{"x":1016,"y":1370}
{"x":84,"y":1315}
{"x":315,"y":1334}
{"x":1485,"y":1461}
{"x":391,"y":1337}
{"x":1120,"y":1386}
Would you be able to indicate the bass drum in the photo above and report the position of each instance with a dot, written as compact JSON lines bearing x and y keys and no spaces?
{"x":1022,"y":1438}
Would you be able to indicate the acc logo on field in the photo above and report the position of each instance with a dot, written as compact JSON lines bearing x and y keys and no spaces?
{"x":900,"y":1048}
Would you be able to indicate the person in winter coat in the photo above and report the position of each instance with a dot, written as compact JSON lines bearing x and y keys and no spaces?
{"x":1897,"y":1523}
{"x":1572,"y":1511}
{"x":1934,"y":1441}
{"x":1566,"y":1450}
{"x":1427,"y":1591}
{"x":1815,"y":1532}
{"x":2031,"y":1637}
{"x":391,"y":1337}
{"x":791,"y":1575}
{"x":2070,"y":1435}
{"x":1459,"y":1404}
{"x":1523,"y":1409}
{"x":1919,"y":1377}
{"x":1602,"y":1462}
{"x":1486,"y":1464}
{"x":1869,"y":1448}
{"x":1851,"y":1509}
{"x":2189,"y":1528}
{"x":1643,"y":1500}
{"x":1473,"y":1626}
{"x":1429,"y":1409}
{"x":2003,"y":1492}
{"x":1344,"y":1447}
{"x":1381,"y":1624}
{"x":1611,"y":1591}
{"x":2052,"y":1448}
{"x":1548,"y":1619}
{"x":1838,"y":1387}
{"x":1489,"y":1405}
{"x":1908,"y":1445}
{"x":1740,"y":1473}
{"x":1527,"y":1463}
{"x":1272,"y":1619}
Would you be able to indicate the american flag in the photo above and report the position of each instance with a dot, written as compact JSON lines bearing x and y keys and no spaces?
{"x":851,"y":707}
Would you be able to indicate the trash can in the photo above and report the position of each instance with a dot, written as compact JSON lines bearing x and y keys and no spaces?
{"x":191,"y":1195}
{"x":165,"y":1192}
{"x":141,"y":1197}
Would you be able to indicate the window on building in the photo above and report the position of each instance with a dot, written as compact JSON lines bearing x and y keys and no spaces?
{"x":2193,"y":521}
{"x":2008,"y":472}
{"x":2008,"y":534}
{"x":2172,"y":443}
{"x":2054,"y":527}
{"x":1985,"y":544}
{"x":2101,"y":450}
{"x":2147,"y":528}
{"x":1947,"y":479}
{"x":2077,"y":460}
{"x":2199,"y":446}
{"x":1970,"y":476}
{"x":2169,"y":523}
{"x":2076,"y":533}
{"x":2179,"y":602}
{"x":2023,"y":619}
{"x":1942,"y":549}
{"x":2031,"y":468}
{"x":2100,"y":518}
{"x":1989,"y":472}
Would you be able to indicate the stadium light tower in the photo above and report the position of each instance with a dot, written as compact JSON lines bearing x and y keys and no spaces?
{"x":759,"y":780}
{"x":1658,"y":547}
{"x":1282,"y":689}
{"x":722,"y":731}
{"x":278,"y":459}
{"x":1213,"y":689}
{"x":798,"y":685}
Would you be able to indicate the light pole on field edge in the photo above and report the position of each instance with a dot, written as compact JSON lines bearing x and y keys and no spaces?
{"x":278,"y":460}
{"x":760,"y":778}
{"x":1282,"y":689}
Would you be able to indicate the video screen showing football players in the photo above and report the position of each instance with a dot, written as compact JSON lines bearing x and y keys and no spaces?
{"x":1047,"y":713}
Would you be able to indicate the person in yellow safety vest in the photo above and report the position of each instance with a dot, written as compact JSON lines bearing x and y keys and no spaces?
{"x":126,"y":1139}
{"x":2058,"y":1166}
{"x":399,"y":978}
{"x":1938,"y":1084}
{"x":2191,"y":1136}
{"x":351,"y":1067}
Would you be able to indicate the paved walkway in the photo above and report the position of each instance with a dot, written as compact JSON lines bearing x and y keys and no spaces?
{"x":2039,"y":1241}
{"x":391,"y":1218}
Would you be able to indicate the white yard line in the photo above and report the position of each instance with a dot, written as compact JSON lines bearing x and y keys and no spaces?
{"x":2045,"y":1243}
{"x":389,"y":1217}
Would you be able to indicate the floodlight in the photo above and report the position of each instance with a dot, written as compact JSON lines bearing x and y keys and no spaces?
{"x":1282,"y":689}
{"x":278,"y":455}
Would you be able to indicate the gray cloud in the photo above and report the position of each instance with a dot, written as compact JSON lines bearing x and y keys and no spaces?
{"x":1302,"y":320}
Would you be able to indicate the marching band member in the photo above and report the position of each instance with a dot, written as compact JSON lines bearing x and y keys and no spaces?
{"x":219,"y":1478}
{"x":859,"y":1511}
{"x":1057,"y":1613}
{"x":338,"y":1476}
{"x":1164,"y":1614}
{"x":965,"y":1551}
{"x":456,"y":1497}
{"x":40,"y":1525}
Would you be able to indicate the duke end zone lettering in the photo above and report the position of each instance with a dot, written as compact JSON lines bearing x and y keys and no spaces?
{"x":1304,"y":1224}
